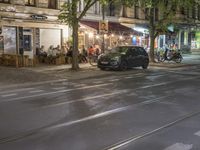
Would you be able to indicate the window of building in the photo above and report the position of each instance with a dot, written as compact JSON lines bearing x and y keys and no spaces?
{"x":156,"y":14}
{"x":136,"y":12}
{"x":95,"y":8}
{"x":30,"y":2}
{"x":52,"y":4}
{"x":194,"y":12}
{"x":182,"y":10}
{"x":79,"y":6}
{"x":4,"y":1}
{"x":198,"y":12}
{"x":146,"y":13}
{"x":188,"y":12}
{"x":111,"y":9}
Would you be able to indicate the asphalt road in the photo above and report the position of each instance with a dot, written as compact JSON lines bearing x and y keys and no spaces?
{"x":154,"y":109}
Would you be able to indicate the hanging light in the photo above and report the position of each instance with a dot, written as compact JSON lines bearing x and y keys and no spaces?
{"x":91,"y":35}
{"x":120,"y":37}
{"x":97,"y":36}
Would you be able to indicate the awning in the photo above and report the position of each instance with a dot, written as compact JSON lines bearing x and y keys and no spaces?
{"x":142,"y":28}
{"x":113,"y":27}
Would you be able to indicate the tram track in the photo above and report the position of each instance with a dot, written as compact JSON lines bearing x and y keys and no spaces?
{"x":125,"y":142}
{"x":109,"y":112}
{"x":53,"y":126}
{"x":65,"y":124}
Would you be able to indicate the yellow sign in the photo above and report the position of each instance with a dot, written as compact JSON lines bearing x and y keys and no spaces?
{"x":103,"y":26}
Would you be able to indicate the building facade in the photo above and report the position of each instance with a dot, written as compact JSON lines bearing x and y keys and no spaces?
{"x":29,"y":24}
{"x":183,"y":33}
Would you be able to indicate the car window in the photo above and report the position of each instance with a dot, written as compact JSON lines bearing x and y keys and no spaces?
{"x":134,"y":51}
{"x":121,"y":50}
{"x":142,"y":51}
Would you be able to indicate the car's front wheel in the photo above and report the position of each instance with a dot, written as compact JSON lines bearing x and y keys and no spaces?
{"x":123,"y":66}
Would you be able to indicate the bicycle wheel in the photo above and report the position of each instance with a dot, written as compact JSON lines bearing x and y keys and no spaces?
{"x":93,"y":61}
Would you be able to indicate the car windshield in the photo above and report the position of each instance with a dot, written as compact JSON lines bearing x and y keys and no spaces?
{"x":121,"y":50}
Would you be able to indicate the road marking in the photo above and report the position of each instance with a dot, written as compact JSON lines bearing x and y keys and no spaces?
{"x":114,"y":80}
{"x":17,"y":90}
{"x":128,"y":77}
{"x":179,"y":146}
{"x":50,"y":93}
{"x":105,"y":113}
{"x":68,"y":83}
{"x":79,"y":85}
{"x":36,"y":83}
{"x":148,"y":86}
{"x":197,"y":133}
{"x":59,"y":88}
{"x":98,"y":82}
{"x":84,"y":99}
{"x":9,"y":95}
{"x":36,"y":91}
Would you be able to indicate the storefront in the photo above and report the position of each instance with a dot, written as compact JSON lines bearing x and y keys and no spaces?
{"x":23,"y":38}
{"x":117,"y":34}
{"x":23,"y":30}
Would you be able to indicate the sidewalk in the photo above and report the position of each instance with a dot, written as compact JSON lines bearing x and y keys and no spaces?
{"x":51,"y":72}
{"x":188,"y":60}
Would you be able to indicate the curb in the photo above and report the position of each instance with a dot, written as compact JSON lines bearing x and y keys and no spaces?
{"x":170,"y":65}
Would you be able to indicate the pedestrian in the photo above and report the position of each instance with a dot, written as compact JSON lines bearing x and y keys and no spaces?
{"x":84,"y":55}
{"x":90,"y":51}
{"x":69,"y":55}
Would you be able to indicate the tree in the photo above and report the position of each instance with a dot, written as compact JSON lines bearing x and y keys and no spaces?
{"x":70,"y":16}
{"x":168,"y":10}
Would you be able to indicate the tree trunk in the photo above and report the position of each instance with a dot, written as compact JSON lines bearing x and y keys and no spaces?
{"x":152,"y":33}
{"x":75,"y":61}
{"x":152,"y":44}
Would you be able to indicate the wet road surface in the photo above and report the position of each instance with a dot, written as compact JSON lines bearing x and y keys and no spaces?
{"x":154,"y":109}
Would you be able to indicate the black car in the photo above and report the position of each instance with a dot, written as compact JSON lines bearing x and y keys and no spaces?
{"x":124,"y":57}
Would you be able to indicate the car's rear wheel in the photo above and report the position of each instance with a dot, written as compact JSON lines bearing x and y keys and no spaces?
{"x":123,"y":66}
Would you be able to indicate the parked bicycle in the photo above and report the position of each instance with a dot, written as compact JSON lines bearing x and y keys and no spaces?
{"x":169,"y":55}
{"x":93,"y":59}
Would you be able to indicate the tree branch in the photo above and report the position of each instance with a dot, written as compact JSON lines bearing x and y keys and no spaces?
{"x":87,"y":6}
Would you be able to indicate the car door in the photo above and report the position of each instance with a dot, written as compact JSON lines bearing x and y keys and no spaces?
{"x":132,"y":55}
{"x":142,"y":56}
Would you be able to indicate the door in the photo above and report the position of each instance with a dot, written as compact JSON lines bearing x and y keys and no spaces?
{"x":28,"y":42}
